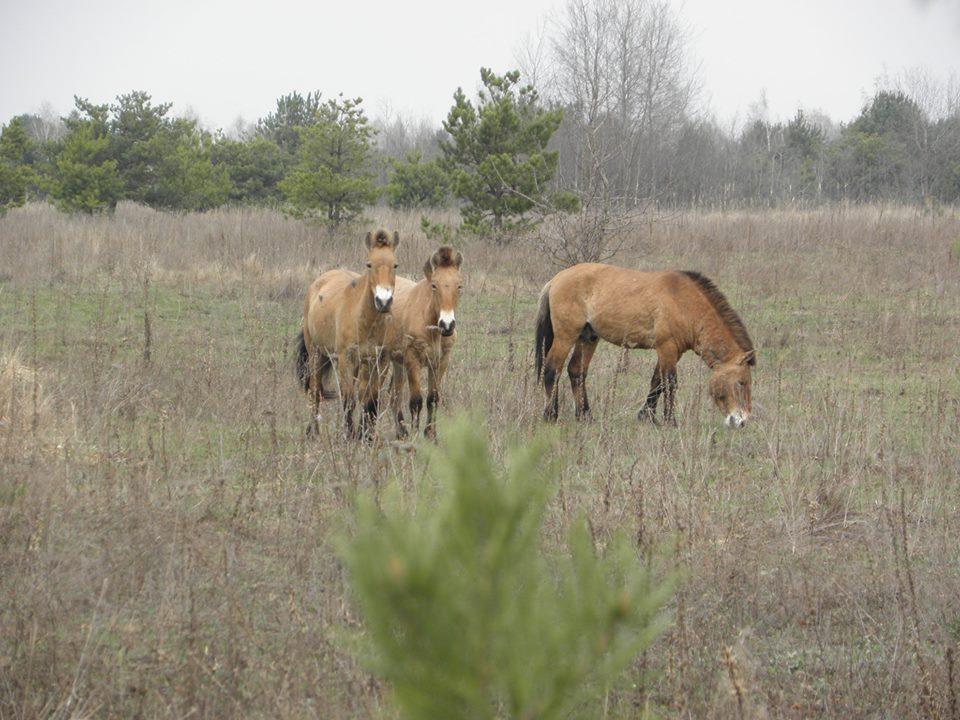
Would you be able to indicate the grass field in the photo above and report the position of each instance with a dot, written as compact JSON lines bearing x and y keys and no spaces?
{"x":166,"y":530}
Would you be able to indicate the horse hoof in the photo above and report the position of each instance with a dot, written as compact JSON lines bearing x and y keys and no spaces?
{"x":648,"y":415}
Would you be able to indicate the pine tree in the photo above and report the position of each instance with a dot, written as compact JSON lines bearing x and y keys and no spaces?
{"x":415,"y":183}
{"x":16,"y":174}
{"x":467,"y":617}
{"x":86,"y":178}
{"x":333,"y":176}
{"x":497,"y":153}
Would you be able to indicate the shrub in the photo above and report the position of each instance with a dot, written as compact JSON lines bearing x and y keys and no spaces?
{"x":415,"y":183}
{"x":465,"y":614}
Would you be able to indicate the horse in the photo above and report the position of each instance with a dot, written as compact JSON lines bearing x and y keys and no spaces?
{"x":423,"y":334}
{"x":345,"y":321}
{"x":668,"y":311}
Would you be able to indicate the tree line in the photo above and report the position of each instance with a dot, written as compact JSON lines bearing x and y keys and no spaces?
{"x":605,"y":120}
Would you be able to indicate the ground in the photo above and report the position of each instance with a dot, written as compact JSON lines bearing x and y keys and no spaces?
{"x":167,"y":531}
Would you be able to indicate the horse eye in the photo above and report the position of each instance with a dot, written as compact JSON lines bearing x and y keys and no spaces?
{"x":369,"y":265}
{"x":741,"y":383}
{"x":433,"y":285}
{"x":395,"y":266}
{"x":459,"y":287}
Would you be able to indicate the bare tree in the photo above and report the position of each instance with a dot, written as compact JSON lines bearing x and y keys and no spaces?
{"x":621,"y":72}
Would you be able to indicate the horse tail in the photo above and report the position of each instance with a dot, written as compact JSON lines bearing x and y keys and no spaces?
{"x":327,"y":379}
{"x":544,"y":339}
{"x":303,"y":363}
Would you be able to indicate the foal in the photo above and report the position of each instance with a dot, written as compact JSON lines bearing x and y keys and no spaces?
{"x":423,"y":334}
{"x":345,"y":321}
{"x":669,"y":311}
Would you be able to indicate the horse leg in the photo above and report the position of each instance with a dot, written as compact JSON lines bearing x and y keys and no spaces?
{"x":416,"y":393}
{"x":663,"y":382}
{"x":435,"y":377}
{"x":577,"y":370}
{"x":347,"y":369}
{"x":649,"y":409}
{"x":396,"y":397}
{"x":315,"y":366}
{"x":552,"y":365}
{"x":670,"y":379}
{"x":370,"y":392}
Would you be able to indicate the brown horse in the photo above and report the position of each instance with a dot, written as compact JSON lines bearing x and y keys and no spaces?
{"x":423,"y":334}
{"x":669,"y":311}
{"x":345,"y":320}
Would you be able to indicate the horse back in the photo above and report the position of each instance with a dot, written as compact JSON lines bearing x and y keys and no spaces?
{"x":626,"y":307}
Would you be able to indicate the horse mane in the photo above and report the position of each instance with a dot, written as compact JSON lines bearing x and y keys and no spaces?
{"x":381,"y":238}
{"x":443,"y":257}
{"x":727,"y":314}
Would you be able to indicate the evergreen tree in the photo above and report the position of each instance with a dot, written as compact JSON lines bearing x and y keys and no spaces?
{"x":417,"y":184}
{"x":497,"y":152}
{"x":333,"y":175}
{"x":86,"y":177}
{"x":255,"y":168}
{"x":293,"y":113}
{"x":134,"y":126}
{"x":184,"y":177}
{"x":469,"y":618}
{"x":16,"y":174}
{"x":803,"y":149}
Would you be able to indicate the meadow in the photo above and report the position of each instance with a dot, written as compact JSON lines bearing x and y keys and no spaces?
{"x":167,"y":531}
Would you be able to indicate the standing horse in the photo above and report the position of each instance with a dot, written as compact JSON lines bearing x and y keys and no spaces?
{"x":423,"y":334}
{"x":669,"y":311}
{"x":345,"y":320}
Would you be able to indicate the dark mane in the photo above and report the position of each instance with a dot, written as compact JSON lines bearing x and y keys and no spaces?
{"x":443,"y":257}
{"x":726,"y":313}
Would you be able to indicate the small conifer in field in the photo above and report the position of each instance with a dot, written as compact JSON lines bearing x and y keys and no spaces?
{"x":467,"y":616}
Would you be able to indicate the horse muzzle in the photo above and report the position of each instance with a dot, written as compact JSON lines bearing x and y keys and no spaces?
{"x":736,"y":420}
{"x":446,"y":323}
{"x":382,"y":299}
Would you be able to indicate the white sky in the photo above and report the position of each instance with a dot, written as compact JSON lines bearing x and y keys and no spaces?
{"x":229,"y":58}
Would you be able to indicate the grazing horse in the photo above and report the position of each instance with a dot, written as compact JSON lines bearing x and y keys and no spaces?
{"x":669,"y":311}
{"x":345,"y":321}
{"x":423,"y":334}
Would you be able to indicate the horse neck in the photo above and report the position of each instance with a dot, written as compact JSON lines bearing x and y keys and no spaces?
{"x":714,"y":341}
{"x":427,"y":307}
{"x":368,"y":311}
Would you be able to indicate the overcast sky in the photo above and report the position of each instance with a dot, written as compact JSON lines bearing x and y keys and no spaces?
{"x":228,"y":58}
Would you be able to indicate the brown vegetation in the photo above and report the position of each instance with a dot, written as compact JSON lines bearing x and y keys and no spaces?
{"x":166,"y":530}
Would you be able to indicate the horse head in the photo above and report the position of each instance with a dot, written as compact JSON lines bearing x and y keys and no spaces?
{"x":382,"y":267}
{"x":442,"y":271}
{"x":730,"y":388}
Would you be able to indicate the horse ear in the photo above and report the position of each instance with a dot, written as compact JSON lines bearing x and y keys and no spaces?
{"x":369,"y":241}
{"x":457,"y":259}
{"x":396,"y":239}
{"x":428,"y":270}
{"x":749,"y":358}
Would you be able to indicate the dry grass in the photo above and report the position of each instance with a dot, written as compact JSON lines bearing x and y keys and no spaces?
{"x":166,"y":530}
